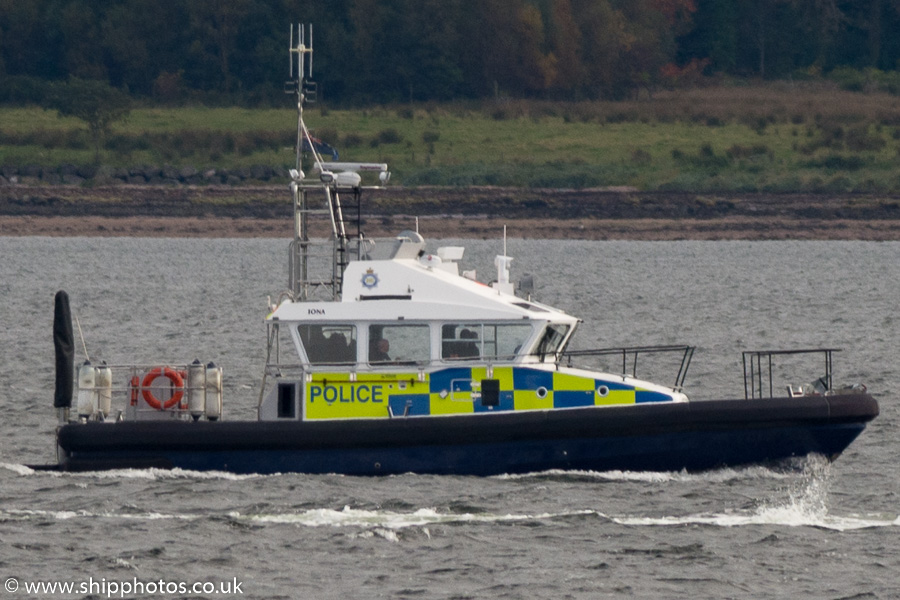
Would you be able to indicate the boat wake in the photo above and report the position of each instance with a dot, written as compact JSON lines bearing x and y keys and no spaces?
{"x":717,"y":476}
{"x":790,"y":515}
{"x":785,"y":516}
{"x":803,"y":504}
{"x":351,"y":517}
{"x":806,"y":505}
{"x":149,"y":474}
{"x":24,"y":514}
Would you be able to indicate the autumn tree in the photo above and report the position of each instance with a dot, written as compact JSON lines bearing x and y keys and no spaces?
{"x":564,"y":41}
{"x":414,"y":50}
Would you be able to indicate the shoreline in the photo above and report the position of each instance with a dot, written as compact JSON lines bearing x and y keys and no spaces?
{"x":467,"y":212}
{"x":479,"y":227}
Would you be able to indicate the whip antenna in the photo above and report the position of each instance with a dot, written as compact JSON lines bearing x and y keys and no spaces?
{"x":81,"y":335}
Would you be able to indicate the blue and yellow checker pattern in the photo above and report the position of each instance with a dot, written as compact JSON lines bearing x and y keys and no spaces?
{"x":457,"y":390}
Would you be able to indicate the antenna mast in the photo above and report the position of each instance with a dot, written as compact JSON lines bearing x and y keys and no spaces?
{"x":300,"y":65}
{"x":339,"y":183}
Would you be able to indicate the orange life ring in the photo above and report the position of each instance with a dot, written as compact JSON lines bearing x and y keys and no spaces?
{"x":176,"y":380}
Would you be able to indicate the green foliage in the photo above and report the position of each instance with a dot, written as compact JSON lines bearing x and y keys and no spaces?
{"x":848,"y":142}
{"x":866,"y":80}
{"x":22,"y":90}
{"x":94,"y":102}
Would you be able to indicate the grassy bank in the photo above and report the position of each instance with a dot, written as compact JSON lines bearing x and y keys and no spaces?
{"x":775,"y":138}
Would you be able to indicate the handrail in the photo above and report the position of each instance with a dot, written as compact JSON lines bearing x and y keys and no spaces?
{"x":634,"y":351}
{"x":494,"y":361}
{"x":753,"y":372}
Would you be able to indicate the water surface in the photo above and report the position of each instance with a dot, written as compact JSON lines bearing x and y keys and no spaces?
{"x":813,"y":531}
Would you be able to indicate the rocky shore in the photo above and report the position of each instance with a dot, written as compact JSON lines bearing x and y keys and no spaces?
{"x":179,"y":210}
{"x":103,"y":175}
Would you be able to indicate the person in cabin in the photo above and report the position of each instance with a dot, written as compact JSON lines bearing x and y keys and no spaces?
{"x":468,"y":349}
{"x":378,"y":350}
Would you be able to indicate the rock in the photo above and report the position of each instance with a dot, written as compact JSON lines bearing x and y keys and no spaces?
{"x":104,"y":175}
{"x":261,"y":172}
{"x":87,"y":171}
{"x":72,"y":179}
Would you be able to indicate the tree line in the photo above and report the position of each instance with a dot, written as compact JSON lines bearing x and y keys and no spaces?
{"x":368,"y":51}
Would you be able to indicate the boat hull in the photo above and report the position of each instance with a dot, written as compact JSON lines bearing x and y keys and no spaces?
{"x":692,"y":436}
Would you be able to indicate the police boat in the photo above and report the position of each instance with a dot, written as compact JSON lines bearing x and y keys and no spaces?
{"x":385,"y":358}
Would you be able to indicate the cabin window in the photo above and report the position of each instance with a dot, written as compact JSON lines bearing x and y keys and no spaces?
{"x":399,"y":344}
{"x":467,"y":341}
{"x":460,"y":342}
{"x":329,"y":344}
{"x":505,"y":341}
{"x":551,"y":341}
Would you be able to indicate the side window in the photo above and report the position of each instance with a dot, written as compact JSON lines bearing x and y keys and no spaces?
{"x":460,"y":341}
{"x":327,"y":344}
{"x":466,"y":341}
{"x":399,"y":344}
{"x":505,"y":341}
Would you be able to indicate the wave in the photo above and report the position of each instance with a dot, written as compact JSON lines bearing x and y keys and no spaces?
{"x":150,"y":474}
{"x":17,"y":468}
{"x":382,"y":523}
{"x":351,"y":517}
{"x":781,"y":516}
{"x":787,"y":515}
{"x":22,"y":514}
{"x":716,"y":476}
{"x":806,"y":505}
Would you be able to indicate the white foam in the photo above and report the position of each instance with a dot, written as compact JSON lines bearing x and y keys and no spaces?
{"x":17,"y":469}
{"x":716,"y":476}
{"x":163,"y":474}
{"x":783,"y":517}
{"x":805,"y":506}
{"x":390,"y":520}
{"x":152,"y":474}
{"x":63,"y":515}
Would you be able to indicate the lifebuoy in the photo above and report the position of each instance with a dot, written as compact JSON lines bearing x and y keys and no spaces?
{"x":176,"y":380}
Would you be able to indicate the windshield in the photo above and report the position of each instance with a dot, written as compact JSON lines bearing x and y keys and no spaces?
{"x":552,"y":340}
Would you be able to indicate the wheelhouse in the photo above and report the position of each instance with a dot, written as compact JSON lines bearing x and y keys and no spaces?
{"x":381,"y":344}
